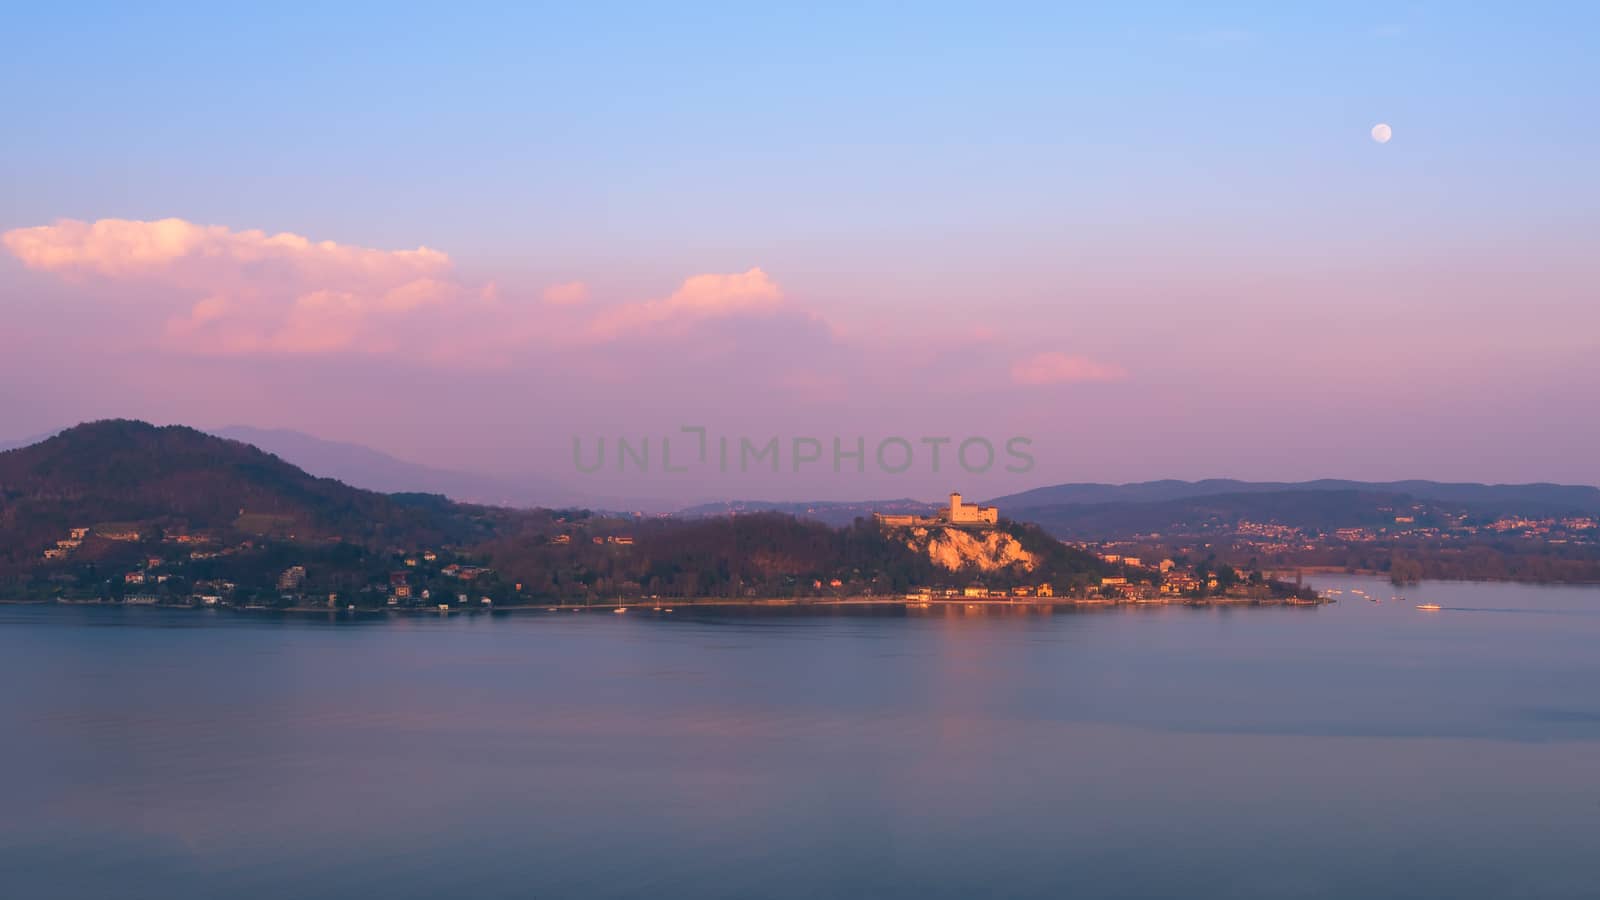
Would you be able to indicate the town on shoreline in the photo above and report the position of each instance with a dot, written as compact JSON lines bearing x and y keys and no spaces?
{"x":963,"y":554}
{"x":1015,"y":604}
{"x":126,"y":512}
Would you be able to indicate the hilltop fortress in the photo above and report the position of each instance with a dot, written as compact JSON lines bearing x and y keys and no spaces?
{"x":969,"y":515}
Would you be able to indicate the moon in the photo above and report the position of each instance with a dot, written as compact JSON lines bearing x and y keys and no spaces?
{"x":1381,"y":132}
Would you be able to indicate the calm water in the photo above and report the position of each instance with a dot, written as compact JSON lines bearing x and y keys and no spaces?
{"x":1362,"y":749}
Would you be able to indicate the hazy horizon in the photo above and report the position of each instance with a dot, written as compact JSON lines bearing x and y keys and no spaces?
{"x":653,"y":492}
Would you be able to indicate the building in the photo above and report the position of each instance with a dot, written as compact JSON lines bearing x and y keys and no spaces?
{"x":292,"y":578}
{"x":957,"y":513}
{"x":1178,"y":583}
{"x":971,"y":513}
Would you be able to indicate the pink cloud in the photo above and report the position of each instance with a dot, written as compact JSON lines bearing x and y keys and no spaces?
{"x":570,"y":293}
{"x":125,"y":248}
{"x":700,"y":297}
{"x":1060,"y":368}
{"x":223,"y":291}
{"x":213,"y":291}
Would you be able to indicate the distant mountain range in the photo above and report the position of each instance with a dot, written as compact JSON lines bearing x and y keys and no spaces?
{"x":25,"y":442}
{"x":1539,"y":496}
{"x":1072,"y":509}
{"x":1097,"y":511}
{"x":135,"y":488}
{"x":373,"y":470}
{"x":1088,"y":511}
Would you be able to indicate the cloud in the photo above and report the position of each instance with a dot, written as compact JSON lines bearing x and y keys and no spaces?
{"x":122,"y":248}
{"x":217,"y":290}
{"x":700,"y":297}
{"x":1060,"y":368}
{"x":569,"y":293}
{"x":209,"y":289}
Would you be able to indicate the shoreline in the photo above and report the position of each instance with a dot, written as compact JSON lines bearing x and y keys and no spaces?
{"x":665,"y":607}
{"x":1289,"y":574}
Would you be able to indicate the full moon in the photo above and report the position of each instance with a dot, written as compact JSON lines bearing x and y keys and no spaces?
{"x":1381,"y":133}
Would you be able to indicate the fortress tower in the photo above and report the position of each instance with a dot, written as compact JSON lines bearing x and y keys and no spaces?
{"x":957,"y":513}
{"x":970,"y":513}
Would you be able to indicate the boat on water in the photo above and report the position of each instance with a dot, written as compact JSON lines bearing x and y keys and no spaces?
{"x":620,"y":609}
{"x":1430,"y":607}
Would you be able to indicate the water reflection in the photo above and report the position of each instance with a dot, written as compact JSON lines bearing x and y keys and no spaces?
{"x":947,"y":751}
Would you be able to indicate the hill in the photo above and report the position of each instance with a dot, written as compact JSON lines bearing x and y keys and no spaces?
{"x":771,"y":554}
{"x":110,"y":509}
{"x":835,"y":513}
{"x":132,"y":476}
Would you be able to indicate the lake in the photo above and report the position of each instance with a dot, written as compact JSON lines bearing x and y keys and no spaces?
{"x":1356,"y":749}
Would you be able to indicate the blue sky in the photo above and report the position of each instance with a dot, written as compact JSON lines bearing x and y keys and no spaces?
{"x":1162,"y":189}
{"x":511,"y":135}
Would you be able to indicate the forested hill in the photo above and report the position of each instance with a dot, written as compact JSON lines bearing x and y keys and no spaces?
{"x":836,"y":513}
{"x":114,"y":503}
{"x":130,"y":475}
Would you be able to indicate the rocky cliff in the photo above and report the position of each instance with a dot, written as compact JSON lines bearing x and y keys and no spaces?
{"x":955,"y":549}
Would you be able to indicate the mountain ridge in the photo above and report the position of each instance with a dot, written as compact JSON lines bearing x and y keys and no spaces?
{"x":1543,"y":494}
{"x":370,"y":469}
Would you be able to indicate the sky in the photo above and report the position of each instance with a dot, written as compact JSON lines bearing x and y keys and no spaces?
{"x":1148,"y":240}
